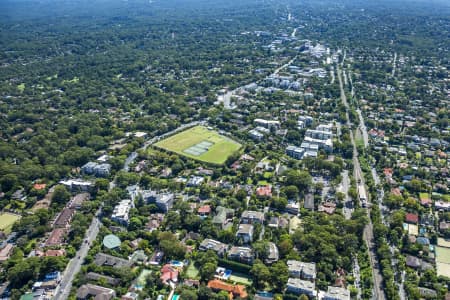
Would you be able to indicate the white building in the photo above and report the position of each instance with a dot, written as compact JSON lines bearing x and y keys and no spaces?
{"x":121,"y":212}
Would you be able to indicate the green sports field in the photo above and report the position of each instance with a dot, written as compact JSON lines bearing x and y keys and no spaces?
{"x":201,"y":144}
{"x":6,"y":221}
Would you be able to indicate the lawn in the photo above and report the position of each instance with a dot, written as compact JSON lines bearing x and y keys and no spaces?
{"x":443,"y":261}
{"x":192,"y":272}
{"x":218,"y":147}
{"x":6,"y":221}
{"x":240,"y":278}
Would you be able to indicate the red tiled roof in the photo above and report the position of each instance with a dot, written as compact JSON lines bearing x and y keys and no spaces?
{"x":412,"y":218}
{"x":264,"y":191}
{"x":238,"y":290}
{"x":388,"y":172}
{"x":39,"y":186}
{"x":205,"y":209}
{"x":168,"y":273}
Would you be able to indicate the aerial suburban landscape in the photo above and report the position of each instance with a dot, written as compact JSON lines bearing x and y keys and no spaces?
{"x":195,"y":150}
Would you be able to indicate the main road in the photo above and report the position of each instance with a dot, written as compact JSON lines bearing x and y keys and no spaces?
{"x":62,"y":291}
{"x":378,"y":292}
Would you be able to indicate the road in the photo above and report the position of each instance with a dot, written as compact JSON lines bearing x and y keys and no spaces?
{"x":62,"y":291}
{"x":348,"y":202}
{"x":363,"y":128}
{"x":333,"y":78}
{"x":394,"y":64}
{"x":378,"y":292}
{"x":284,"y":66}
{"x":294,"y":32}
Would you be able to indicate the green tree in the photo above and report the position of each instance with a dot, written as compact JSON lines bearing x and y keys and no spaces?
{"x":60,"y":194}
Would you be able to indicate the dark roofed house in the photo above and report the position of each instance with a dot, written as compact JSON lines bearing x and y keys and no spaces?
{"x":87,"y":291}
{"x":427,"y":293}
{"x":64,"y":218}
{"x":444,"y":226}
{"x":56,"y":237}
{"x":309,"y":202}
{"x":109,"y":260}
{"x":413,"y":262}
{"x":78,"y":199}
{"x":412,"y":218}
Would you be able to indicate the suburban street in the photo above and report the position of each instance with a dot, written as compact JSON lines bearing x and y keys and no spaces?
{"x":62,"y":291}
{"x":378,"y":292}
{"x":348,"y":202}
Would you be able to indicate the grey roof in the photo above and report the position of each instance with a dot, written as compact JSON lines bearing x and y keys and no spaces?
{"x":217,"y":246}
{"x":99,"y":292}
{"x":106,"y":259}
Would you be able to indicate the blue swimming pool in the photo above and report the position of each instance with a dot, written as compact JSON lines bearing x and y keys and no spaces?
{"x":175,"y":297}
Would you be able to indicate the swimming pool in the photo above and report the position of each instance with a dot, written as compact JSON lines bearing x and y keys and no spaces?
{"x":177,"y":263}
{"x":175,"y":297}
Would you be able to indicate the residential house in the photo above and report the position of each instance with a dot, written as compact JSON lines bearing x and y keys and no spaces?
{"x":411,"y":218}
{"x":252,"y":217}
{"x":309,"y":201}
{"x":273,"y":255}
{"x":169,"y":274}
{"x":264,"y":191}
{"x":195,"y":181}
{"x":442,"y":206}
{"x":77,"y":201}
{"x":102,"y":259}
{"x":204,"y":210}
{"x":241,"y":254}
{"x":224,"y":217}
{"x":413,"y":262}
{"x":299,"y":287}
{"x":327,"y":207}
{"x":64,"y":218}
{"x":216,"y":246}
{"x":87,"y":291}
{"x":233,"y":290}
{"x":56,"y":237}
{"x":154,"y":221}
{"x":138,"y":257}
{"x":245,"y":232}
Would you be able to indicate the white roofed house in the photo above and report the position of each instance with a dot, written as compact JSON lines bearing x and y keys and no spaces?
{"x":252,"y":217}
{"x":241,"y":254}
{"x":245,"y":232}
{"x":216,"y":246}
{"x":121,"y":212}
